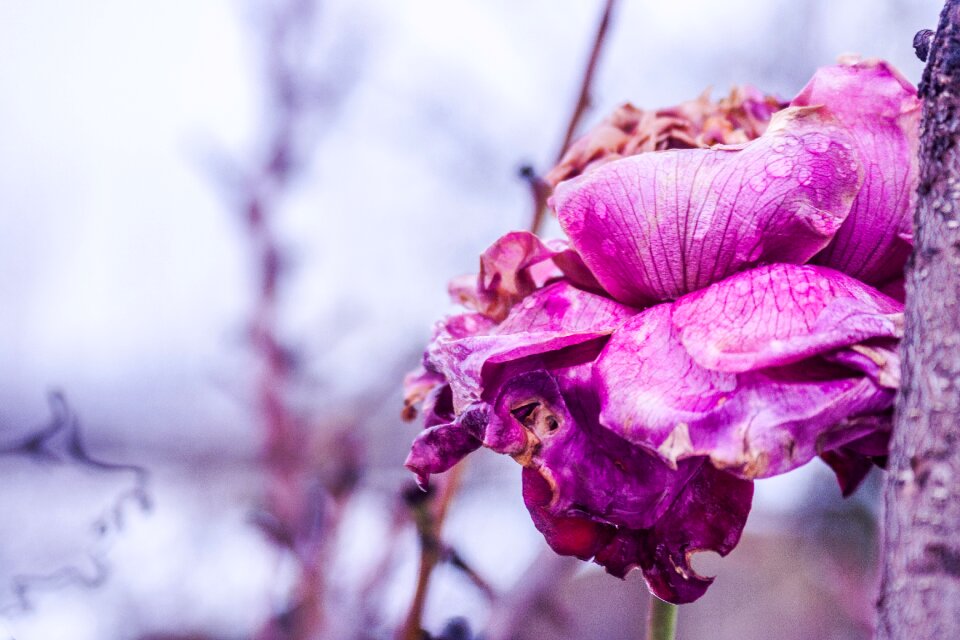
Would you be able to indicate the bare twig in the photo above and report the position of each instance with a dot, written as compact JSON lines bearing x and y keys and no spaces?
{"x":539,"y":190}
{"x":535,"y":591}
{"x":457,"y":561}
{"x":586,"y":84}
{"x":429,"y":516}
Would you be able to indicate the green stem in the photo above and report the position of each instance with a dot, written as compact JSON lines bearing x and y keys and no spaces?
{"x":662,"y":624}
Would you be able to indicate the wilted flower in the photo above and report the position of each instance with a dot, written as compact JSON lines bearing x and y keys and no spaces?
{"x":712,"y":319}
{"x":740,"y":117}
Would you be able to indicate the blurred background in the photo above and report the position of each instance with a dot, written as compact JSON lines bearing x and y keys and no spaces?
{"x":226,"y":229}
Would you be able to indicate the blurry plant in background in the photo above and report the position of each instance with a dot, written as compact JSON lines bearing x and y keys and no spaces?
{"x":50,"y":551}
{"x":306,"y":487}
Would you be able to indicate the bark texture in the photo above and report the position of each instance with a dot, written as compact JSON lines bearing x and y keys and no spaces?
{"x":920,"y":590}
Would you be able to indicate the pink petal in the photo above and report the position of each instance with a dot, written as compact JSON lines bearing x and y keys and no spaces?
{"x":440,"y":447}
{"x":592,"y":494}
{"x":577,"y":535}
{"x":757,"y":396}
{"x":515,"y":266}
{"x":853,"y":460}
{"x":548,"y":421}
{"x":655,"y":226}
{"x":552,"y":319}
{"x":780,"y":314}
{"x":880,"y":109}
{"x":709,"y":515}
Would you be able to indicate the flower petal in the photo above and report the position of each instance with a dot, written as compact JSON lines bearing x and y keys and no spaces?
{"x":881,"y":110}
{"x":552,"y":319}
{"x":779,"y":314}
{"x":515,"y":266}
{"x":417,"y":387}
{"x":655,"y":226}
{"x":592,"y":494}
{"x":852,"y":458}
{"x":708,"y":516}
{"x":548,"y":421}
{"x":440,"y":447}
{"x":756,"y":398}
{"x":577,"y":536}
{"x":424,"y":381}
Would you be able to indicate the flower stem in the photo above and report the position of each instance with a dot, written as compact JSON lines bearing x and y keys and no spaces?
{"x":662,"y":623}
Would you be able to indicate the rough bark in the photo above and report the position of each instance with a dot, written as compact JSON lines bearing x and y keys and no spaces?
{"x":920,"y":590}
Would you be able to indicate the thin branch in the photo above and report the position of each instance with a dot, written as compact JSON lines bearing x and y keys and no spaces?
{"x":457,"y":561}
{"x":301,"y":513}
{"x":534,"y":593}
{"x":429,"y":516}
{"x":584,"y":98}
{"x":539,"y":190}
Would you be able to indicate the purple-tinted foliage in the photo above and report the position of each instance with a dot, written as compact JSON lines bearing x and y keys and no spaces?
{"x":680,"y":346}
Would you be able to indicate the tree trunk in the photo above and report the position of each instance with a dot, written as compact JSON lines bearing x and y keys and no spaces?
{"x":920,"y":591}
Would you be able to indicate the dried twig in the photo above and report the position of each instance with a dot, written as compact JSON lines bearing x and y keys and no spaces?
{"x":535,"y":591}
{"x":539,"y":190}
{"x":428,"y":516}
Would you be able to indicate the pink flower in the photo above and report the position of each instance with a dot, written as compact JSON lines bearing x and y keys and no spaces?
{"x":712,"y":320}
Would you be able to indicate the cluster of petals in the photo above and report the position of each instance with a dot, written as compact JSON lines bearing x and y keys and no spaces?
{"x":726,"y":306}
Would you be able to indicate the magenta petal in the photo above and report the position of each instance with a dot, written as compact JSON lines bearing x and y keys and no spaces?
{"x":764,"y":416}
{"x":708,"y":516}
{"x":437,"y":407}
{"x":552,"y":319}
{"x":515,"y":266}
{"x":853,"y":460}
{"x":851,"y":469}
{"x":463,"y":325}
{"x":780,"y":314}
{"x":577,"y":536}
{"x":548,"y":421}
{"x":417,"y":387}
{"x":440,"y":447}
{"x":880,"y":109}
{"x":655,"y":226}
{"x":422,"y":382}
{"x":895,"y":288}
{"x":879,"y":359}
{"x":592,"y":494}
